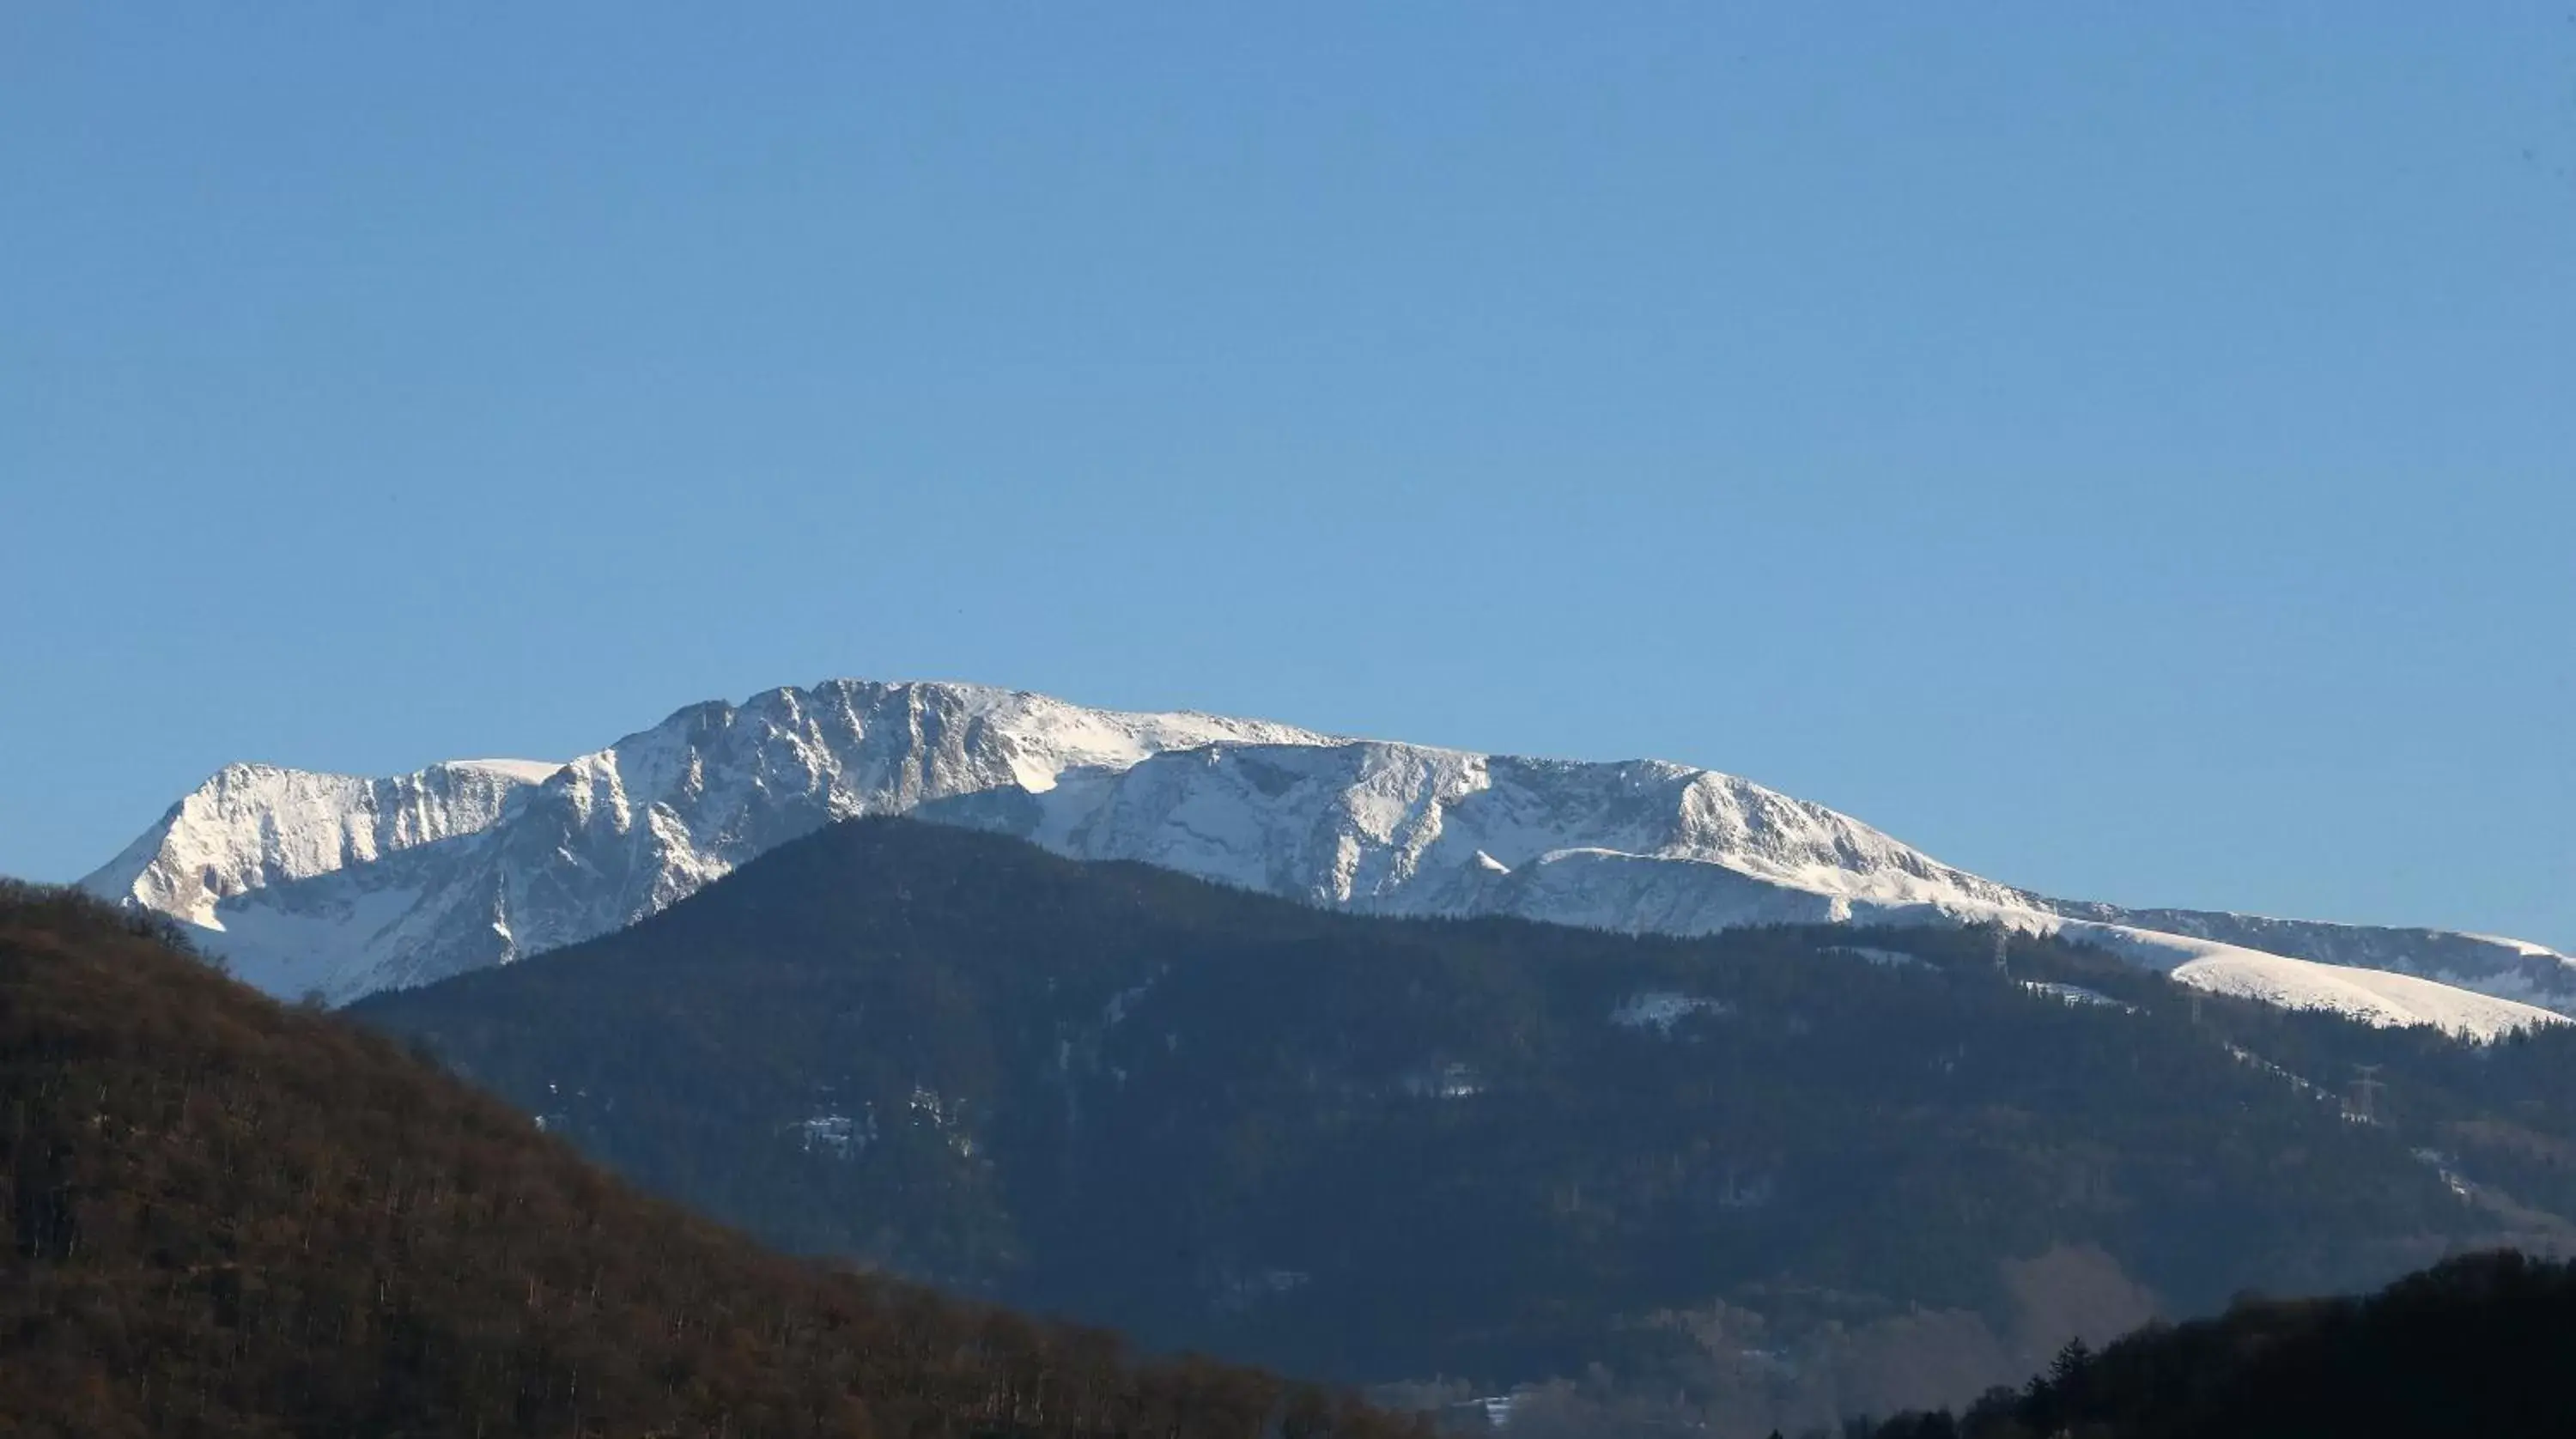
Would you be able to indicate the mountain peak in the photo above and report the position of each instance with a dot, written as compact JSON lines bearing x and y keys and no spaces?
{"x":348,"y":885}
{"x":252,"y":825}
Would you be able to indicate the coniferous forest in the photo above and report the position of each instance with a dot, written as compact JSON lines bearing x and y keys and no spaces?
{"x":2479,"y":1345}
{"x":1766,"y":1178}
{"x":231,"y":1218}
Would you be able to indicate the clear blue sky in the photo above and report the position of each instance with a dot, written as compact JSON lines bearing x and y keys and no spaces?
{"x":2127,"y":450}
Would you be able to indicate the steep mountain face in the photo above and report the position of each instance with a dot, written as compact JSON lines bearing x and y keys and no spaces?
{"x":252,"y":825}
{"x":1789,"y":1176}
{"x":303,"y":885}
{"x":1400,"y":829}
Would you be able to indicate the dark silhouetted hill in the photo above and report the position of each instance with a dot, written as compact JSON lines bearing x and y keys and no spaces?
{"x":226,"y":1217}
{"x":2481,"y":1345}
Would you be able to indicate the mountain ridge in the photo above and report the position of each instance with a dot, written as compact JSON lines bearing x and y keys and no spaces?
{"x":251,"y":825}
{"x":1374,"y":1148}
{"x":302,"y":886}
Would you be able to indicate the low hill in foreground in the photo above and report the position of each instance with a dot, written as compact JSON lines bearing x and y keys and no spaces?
{"x":2483,"y":1345}
{"x":230,"y":1218}
{"x":1760,"y":1178}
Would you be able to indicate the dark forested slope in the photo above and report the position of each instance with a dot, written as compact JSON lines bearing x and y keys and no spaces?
{"x":1759,"y":1175}
{"x":225,"y":1217}
{"x":2483,"y":1344}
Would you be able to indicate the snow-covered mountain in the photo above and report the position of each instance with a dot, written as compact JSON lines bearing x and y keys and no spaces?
{"x":1661,"y":848}
{"x":343,"y":886}
{"x":255,"y":825}
{"x":299,"y":881}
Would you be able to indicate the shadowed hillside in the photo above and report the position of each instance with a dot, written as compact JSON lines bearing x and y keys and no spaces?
{"x":1759,"y":1178}
{"x":2479,"y":1345}
{"x":230,"y":1218}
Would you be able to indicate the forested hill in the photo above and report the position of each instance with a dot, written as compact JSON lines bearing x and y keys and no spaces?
{"x":2482,"y":1345}
{"x":1763,"y":1177}
{"x":231,"y":1218}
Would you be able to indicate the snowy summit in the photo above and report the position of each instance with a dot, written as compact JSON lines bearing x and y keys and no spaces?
{"x":342,"y":885}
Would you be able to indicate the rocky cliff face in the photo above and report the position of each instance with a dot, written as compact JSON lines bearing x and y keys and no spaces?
{"x":1401,"y":829}
{"x":255,"y":825}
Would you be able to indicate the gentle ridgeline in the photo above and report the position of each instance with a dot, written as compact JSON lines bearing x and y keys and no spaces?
{"x":227,"y":1217}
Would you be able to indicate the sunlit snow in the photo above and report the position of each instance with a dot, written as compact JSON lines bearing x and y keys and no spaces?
{"x":345,"y":885}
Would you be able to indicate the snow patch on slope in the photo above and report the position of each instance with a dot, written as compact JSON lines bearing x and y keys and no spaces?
{"x":2506,"y":968}
{"x":520,"y":771}
{"x":2375,"y":997}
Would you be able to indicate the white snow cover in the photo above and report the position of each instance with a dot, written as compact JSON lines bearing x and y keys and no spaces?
{"x":1661,"y":1009}
{"x":2374,"y":996}
{"x":324,"y":882}
{"x":1883,"y":958}
{"x":311,"y":883}
{"x":2075,"y":994}
{"x":254,"y":825}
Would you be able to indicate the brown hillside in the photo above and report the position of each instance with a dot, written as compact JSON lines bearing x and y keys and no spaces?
{"x":226,"y":1217}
